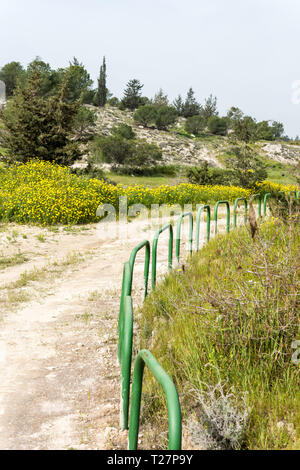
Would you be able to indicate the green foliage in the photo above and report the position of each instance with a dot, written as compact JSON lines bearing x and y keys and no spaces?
{"x":132,"y":95}
{"x":145,"y":115}
{"x":248,"y":169}
{"x":166,"y":116}
{"x":114,"y":101}
{"x":84,"y":121}
{"x":194,"y":124}
{"x":217,"y":125}
{"x":102,"y":90}
{"x":39,"y":127}
{"x":11,"y":74}
{"x":50,"y":79}
{"x":160,"y":99}
{"x":178,"y":104}
{"x":123,"y":130}
{"x":206,"y":175}
{"x":210,"y":108}
{"x":78,"y":80}
{"x":244,"y":129}
{"x":190,"y":107}
{"x":233,"y":313}
{"x":278,"y":129}
{"x":132,"y":154}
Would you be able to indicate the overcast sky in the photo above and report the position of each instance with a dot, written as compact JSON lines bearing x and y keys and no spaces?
{"x":243,"y":51}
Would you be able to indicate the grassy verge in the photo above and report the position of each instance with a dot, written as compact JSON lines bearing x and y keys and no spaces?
{"x":223,"y":329}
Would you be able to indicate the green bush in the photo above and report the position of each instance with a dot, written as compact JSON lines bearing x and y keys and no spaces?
{"x":206,"y":175}
{"x":130,"y":153}
{"x":166,"y":116}
{"x":217,"y":125}
{"x":123,"y":130}
{"x":145,"y":115}
{"x":194,"y":124}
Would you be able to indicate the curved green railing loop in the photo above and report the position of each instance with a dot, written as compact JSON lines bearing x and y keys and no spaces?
{"x":154,"y":250}
{"x":134,"y":252}
{"x":174,"y":412}
{"x":227,"y":216}
{"x":198,"y":219}
{"x":126,"y":290}
{"x":128,"y":278}
{"x":236,"y":203}
{"x":265,"y":202}
{"x":125,"y":360}
{"x":257,"y":196}
{"x":178,"y":233}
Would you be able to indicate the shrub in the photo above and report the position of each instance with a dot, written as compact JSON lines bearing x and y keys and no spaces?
{"x":112,"y":149}
{"x":194,"y":124}
{"x":145,"y":115}
{"x":125,"y":131}
{"x":114,"y":101}
{"x":205,"y":174}
{"x":217,"y":125}
{"x":166,"y":115}
{"x":127,"y":152}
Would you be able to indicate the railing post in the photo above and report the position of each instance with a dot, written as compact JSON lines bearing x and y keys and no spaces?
{"x":236,"y":202}
{"x":126,"y":290}
{"x":178,"y":233}
{"x":265,"y":202}
{"x":198,"y":220}
{"x":141,"y":245}
{"x":126,"y":357}
{"x":154,"y":251}
{"x":174,"y":412}
{"x":227,"y":216}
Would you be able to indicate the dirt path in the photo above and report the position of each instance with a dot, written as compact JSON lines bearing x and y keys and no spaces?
{"x":58,"y":335}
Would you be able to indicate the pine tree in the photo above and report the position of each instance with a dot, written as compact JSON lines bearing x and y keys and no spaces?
{"x":39,"y":127}
{"x":102,"y":90}
{"x":178,"y":105}
{"x":132,"y":95}
{"x":160,"y":99}
{"x":190,"y":107}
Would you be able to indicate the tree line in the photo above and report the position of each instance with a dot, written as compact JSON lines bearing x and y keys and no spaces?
{"x":156,"y":111}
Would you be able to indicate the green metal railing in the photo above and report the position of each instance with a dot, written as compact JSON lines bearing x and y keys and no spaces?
{"x":266,"y":196}
{"x":134,"y":252}
{"x":174,"y":413}
{"x":178,"y":233}
{"x":235,"y":206}
{"x":198,"y":221}
{"x":154,"y":251}
{"x":227,"y":215}
{"x":125,"y":360}
{"x":252,"y":199}
{"x":125,"y":325}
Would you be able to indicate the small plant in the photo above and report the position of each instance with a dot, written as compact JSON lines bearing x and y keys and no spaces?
{"x":222,"y":419}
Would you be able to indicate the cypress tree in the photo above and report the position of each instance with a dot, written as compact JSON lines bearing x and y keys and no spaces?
{"x":102,"y":90}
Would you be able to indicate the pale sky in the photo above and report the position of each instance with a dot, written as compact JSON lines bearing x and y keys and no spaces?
{"x":243,"y":51}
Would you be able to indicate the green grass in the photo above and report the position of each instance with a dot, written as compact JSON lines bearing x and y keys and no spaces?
{"x":149,"y":181}
{"x":228,"y":321}
{"x":281,"y":173}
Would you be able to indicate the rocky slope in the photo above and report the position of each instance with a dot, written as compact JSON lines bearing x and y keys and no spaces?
{"x":179,"y":149}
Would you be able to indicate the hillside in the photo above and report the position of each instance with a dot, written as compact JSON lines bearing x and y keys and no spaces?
{"x":180,"y":148}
